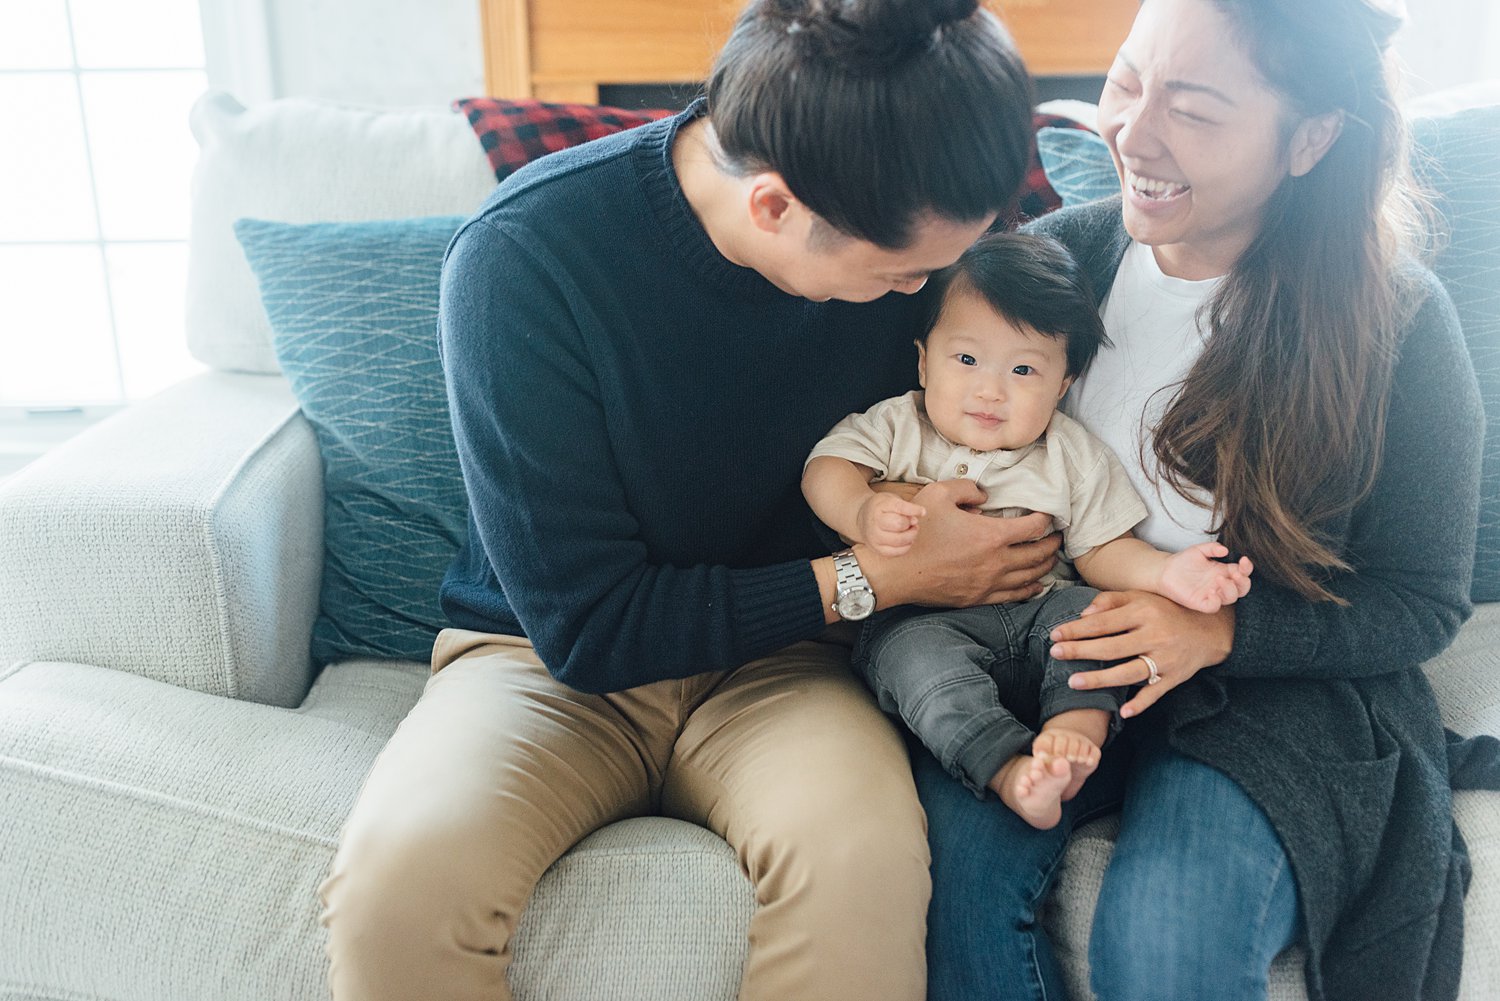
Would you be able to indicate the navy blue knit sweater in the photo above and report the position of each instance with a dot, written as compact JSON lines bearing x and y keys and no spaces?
{"x":632,"y":412}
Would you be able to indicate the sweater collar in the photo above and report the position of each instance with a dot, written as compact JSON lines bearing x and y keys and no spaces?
{"x":680,"y":228}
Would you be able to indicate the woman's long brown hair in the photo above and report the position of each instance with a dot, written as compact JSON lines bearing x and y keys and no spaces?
{"x":1282,"y":417}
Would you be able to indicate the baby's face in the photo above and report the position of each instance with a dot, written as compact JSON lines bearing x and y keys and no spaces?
{"x":989,"y":383}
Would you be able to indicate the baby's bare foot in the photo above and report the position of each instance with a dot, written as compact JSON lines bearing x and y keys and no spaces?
{"x":1033,"y":788}
{"x":1077,"y":749}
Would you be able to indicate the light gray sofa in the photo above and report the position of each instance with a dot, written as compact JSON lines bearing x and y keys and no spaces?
{"x":173,"y":775}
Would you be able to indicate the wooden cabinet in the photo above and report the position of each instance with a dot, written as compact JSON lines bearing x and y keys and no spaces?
{"x":562,"y":50}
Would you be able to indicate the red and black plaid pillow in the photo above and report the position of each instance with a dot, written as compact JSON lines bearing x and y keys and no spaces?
{"x":513,"y":133}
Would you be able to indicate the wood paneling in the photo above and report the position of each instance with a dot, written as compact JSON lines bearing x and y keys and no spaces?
{"x":507,"y":47}
{"x":565,"y":48}
{"x":1067,"y":37}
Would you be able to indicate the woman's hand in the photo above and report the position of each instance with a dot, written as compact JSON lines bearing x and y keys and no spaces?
{"x":1128,"y":624}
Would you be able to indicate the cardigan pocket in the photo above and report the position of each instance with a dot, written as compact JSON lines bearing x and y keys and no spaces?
{"x":1362,"y":793}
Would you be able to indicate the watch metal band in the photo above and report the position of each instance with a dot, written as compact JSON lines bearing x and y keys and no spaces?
{"x":848,"y":573}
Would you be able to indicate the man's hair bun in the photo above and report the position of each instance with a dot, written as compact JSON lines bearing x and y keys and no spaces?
{"x":876,"y":113}
{"x":870,"y":35}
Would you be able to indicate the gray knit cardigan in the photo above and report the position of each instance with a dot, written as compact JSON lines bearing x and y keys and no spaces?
{"x":1321,"y":713}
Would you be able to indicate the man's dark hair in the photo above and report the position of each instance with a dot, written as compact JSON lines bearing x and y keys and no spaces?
{"x":876,"y":112}
{"x":1034,"y":283}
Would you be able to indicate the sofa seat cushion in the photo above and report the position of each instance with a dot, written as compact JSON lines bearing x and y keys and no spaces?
{"x":162,"y":843}
{"x":650,"y":909}
{"x":166,"y":845}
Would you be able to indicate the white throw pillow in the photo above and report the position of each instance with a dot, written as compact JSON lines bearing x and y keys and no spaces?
{"x":298,"y":160}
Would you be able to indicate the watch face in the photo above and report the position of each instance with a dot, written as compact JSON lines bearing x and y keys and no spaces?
{"x":856,"y":603}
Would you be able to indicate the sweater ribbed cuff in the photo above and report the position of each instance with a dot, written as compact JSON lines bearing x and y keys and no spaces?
{"x":775,"y":607}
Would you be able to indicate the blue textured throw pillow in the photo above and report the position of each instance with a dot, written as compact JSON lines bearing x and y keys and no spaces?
{"x":1457,"y":157}
{"x":353,"y":311}
{"x":1077,"y":164}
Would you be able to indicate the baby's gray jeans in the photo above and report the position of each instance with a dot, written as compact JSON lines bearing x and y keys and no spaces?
{"x":975,"y":684}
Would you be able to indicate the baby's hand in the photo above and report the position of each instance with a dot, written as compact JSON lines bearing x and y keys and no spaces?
{"x":888,"y":523}
{"x":1194,"y":578}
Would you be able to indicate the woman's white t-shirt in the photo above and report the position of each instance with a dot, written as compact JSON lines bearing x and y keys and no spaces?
{"x":1152,"y":320}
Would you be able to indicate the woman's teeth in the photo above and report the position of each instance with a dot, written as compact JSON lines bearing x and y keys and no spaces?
{"x":1148,"y":187}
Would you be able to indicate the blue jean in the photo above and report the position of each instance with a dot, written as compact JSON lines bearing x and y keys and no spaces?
{"x":1197,"y":901}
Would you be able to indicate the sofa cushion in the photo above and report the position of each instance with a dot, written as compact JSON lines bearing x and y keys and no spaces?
{"x":1457,"y":157}
{"x":306,"y":161}
{"x":1459,"y":160}
{"x":1077,"y":164}
{"x":513,"y":133}
{"x":353,"y":310}
{"x":1037,"y":196}
{"x":162,"y":844}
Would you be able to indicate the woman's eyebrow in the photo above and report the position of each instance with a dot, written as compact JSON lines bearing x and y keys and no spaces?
{"x":1184,"y":85}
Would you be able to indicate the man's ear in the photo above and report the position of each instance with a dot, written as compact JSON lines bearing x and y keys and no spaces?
{"x":1313,"y":139}
{"x":771,"y":202}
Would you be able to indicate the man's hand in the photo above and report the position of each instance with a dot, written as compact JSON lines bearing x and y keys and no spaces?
{"x":962,"y":558}
{"x":888,"y":524}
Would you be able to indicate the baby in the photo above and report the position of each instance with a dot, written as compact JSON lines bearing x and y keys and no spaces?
{"x":1013,"y":326}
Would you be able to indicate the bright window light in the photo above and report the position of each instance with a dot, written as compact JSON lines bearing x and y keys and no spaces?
{"x":58,"y":346}
{"x":94,"y":175}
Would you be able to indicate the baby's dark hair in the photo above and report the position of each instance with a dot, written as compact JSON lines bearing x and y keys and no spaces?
{"x":1033,"y":282}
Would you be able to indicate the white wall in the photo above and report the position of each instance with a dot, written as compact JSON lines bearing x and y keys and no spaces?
{"x":1448,"y":42}
{"x":385,"y":52}
{"x":427,"y":52}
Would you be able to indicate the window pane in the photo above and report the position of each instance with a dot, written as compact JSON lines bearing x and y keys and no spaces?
{"x":44,"y":180}
{"x":148,"y":283}
{"x":55,"y":340}
{"x":114,"y":34}
{"x":143,"y":151}
{"x":34,"y":35}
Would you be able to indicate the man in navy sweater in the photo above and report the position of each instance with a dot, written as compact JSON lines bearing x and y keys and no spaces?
{"x":643,"y":338}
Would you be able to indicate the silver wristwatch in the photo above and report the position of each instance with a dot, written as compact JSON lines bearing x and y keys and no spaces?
{"x":853,"y":600}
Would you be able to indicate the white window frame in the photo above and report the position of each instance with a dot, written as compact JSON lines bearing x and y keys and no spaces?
{"x":237,"y":58}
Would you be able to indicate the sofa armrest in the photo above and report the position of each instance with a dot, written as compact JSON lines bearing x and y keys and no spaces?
{"x":180,"y":540}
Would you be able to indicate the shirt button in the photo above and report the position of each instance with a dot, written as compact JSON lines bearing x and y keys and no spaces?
{"x":963,"y":467}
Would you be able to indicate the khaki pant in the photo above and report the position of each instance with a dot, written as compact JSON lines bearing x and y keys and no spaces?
{"x":500,"y":769}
